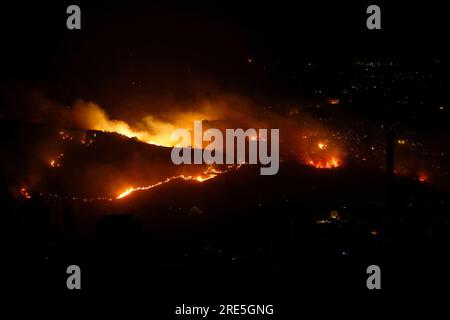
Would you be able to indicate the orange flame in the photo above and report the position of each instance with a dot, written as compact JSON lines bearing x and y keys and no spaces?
{"x":325,"y":164}
{"x":322,"y":146}
{"x":210,"y":173}
{"x":423,"y":177}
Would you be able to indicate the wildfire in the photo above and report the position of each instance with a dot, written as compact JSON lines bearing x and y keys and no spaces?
{"x":322,"y":157}
{"x":325,"y":164}
{"x":201,"y":178}
{"x":210,"y":173}
{"x":150,"y":129}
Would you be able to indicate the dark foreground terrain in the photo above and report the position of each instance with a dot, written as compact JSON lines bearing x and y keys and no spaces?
{"x":299,"y":239}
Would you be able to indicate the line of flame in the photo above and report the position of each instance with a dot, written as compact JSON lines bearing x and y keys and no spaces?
{"x":207,"y":175}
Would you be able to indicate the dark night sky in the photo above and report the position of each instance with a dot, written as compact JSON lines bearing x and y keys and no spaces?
{"x":135,"y":49}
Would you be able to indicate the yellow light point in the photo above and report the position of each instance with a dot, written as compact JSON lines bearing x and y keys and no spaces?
{"x":322,"y":146}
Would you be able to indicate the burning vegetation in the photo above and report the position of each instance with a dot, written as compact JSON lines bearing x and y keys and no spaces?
{"x":321,"y":153}
{"x":93,"y":156}
{"x":105,"y":158}
{"x":210,"y":173}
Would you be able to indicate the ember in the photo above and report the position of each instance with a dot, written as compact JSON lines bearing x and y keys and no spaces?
{"x":25,"y":193}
